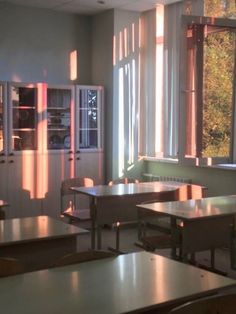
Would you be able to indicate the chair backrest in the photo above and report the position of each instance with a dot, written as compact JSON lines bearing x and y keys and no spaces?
{"x":10,"y":266}
{"x":183,"y":193}
{"x":190,"y":191}
{"x":123,"y":180}
{"x":68,"y":183}
{"x":220,"y":304}
{"x":84,"y":256}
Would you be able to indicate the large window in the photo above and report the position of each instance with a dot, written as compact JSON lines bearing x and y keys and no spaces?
{"x":208,"y":88}
{"x":160,"y":88}
{"x":191,"y":114}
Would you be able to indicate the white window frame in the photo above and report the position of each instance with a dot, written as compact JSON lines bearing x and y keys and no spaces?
{"x":195,"y":160}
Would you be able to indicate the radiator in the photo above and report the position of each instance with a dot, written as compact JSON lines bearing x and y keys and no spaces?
{"x":154,"y":177}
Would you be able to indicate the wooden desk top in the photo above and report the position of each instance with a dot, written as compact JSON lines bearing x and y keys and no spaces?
{"x":115,"y":285}
{"x":128,"y":189}
{"x":196,"y":209}
{"x":27,"y":229}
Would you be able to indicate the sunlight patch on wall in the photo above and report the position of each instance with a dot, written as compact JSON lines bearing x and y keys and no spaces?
{"x":126,"y":61}
{"x":121,"y":141}
{"x":73,"y":65}
{"x":159,"y":78}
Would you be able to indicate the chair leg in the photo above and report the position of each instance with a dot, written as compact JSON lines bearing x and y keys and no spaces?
{"x":99,"y":237}
{"x":213,"y":258}
{"x":193,"y":258}
{"x":117,"y":236}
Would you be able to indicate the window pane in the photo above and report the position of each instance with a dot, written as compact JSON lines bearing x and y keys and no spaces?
{"x":24,"y":118}
{"x":88,"y":118}
{"x":217,"y":92}
{"x":1,"y":119}
{"x":24,"y":140}
{"x":88,"y":139}
{"x":58,"y":118}
{"x":220,"y":8}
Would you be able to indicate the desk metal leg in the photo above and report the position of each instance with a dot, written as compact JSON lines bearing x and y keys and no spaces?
{"x":173,"y":238}
{"x":99,"y":237}
{"x":93,"y":223}
{"x":232,"y":246}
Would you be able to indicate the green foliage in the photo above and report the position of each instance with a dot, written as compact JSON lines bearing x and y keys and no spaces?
{"x":218,"y":86}
{"x":219,"y":49}
{"x":220,"y":8}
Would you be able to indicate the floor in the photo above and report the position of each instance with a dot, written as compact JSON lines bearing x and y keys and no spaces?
{"x":128,"y":238}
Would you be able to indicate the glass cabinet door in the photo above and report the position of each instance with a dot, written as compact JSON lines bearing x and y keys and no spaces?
{"x":23,"y":117}
{"x":89,"y":117}
{"x":59,"y":106}
{"x":2,"y":119}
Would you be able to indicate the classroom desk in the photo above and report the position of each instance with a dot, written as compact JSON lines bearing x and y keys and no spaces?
{"x":2,"y":205}
{"x":129,"y":283}
{"x":37,"y":241}
{"x":207,"y":222}
{"x":109,"y":204}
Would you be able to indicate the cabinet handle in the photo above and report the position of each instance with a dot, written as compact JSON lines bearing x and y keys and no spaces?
{"x":70,"y":159}
{"x":11,"y":161}
{"x":11,"y":154}
{"x":2,"y":154}
{"x":70,"y":152}
{"x":78,"y":158}
{"x":78,"y":151}
{"x":2,"y":161}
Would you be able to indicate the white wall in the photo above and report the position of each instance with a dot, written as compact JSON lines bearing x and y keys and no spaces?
{"x":35,"y":45}
{"x":102,"y":73}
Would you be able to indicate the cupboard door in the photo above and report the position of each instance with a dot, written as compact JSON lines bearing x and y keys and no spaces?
{"x":58,"y":154}
{"x":23,"y":145}
{"x":60,"y":107}
{"x":23,"y":118}
{"x":3,"y":141}
{"x":23,"y":188}
{"x":90,"y":164}
{"x":89,"y":132}
{"x":58,"y":167}
{"x":89,"y":117}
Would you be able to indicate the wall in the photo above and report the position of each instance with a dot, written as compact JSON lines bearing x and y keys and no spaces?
{"x":102,"y":73}
{"x":106,"y":28}
{"x":36,"y":45}
{"x":218,"y":181}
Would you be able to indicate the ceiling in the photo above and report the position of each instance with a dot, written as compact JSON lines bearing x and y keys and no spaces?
{"x":90,"y":7}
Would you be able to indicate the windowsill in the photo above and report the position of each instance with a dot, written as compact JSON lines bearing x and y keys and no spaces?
{"x":224,"y":166}
{"x":175,"y":161}
{"x":166,"y":160}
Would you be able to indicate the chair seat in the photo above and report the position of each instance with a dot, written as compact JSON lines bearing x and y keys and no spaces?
{"x":81,"y":214}
{"x":160,"y":224}
{"x":155,"y":242}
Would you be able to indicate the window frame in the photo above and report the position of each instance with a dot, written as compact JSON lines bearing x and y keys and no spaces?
{"x":198,"y":159}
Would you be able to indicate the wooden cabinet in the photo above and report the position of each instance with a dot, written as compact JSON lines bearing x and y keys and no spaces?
{"x":18,"y":149}
{"x":47,"y":134}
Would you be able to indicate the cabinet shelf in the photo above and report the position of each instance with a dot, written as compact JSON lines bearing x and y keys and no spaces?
{"x":58,"y":129}
{"x":23,"y":129}
{"x":58,"y":108}
{"x":24,"y":107}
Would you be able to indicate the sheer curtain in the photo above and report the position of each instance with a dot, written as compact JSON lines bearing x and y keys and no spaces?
{"x":159,"y":106}
{"x":172,"y":30}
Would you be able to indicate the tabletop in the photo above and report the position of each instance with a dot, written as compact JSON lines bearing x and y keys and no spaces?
{"x":3,"y":203}
{"x":122,"y":284}
{"x":196,"y":209}
{"x":34,"y":228}
{"x":128,"y":189}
